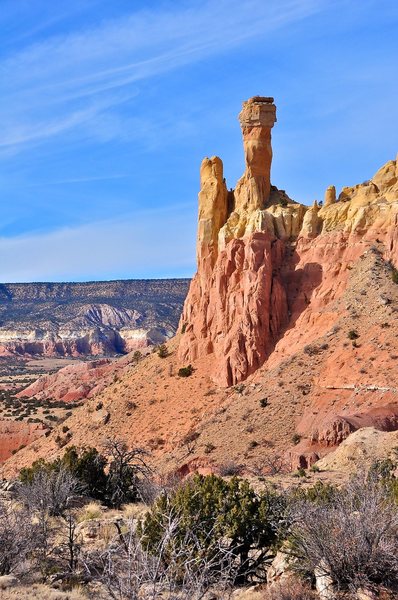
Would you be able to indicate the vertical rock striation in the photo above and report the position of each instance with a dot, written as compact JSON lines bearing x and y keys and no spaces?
{"x":237,"y":303}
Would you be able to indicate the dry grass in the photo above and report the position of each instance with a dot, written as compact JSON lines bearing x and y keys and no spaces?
{"x":107,"y":533}
{"x":40,"y":592}
{"x":249,"y":594}
{"x":89,"y":512}
{"x":127,"y":511}
{"x":135,"y":511}
{"x":290,"y":590}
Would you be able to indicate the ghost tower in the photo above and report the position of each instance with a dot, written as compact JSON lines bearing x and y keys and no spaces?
{"x":256,"y":118}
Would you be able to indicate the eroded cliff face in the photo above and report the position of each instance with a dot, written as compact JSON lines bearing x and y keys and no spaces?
{"x":266,"y":262}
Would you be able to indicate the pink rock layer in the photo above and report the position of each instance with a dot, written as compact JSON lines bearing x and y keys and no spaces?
{"x":74,"y":382}
{"x":14,"y":434}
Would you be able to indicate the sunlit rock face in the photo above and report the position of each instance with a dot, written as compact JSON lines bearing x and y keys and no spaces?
{"x":262,"y":257}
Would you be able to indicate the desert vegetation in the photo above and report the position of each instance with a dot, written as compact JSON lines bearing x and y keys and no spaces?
{"x":162,"y":351}
{"x":102,"y":522}
{"x":34,"y":410}
{"x":115,"y":476}
{"x":185,"y":371}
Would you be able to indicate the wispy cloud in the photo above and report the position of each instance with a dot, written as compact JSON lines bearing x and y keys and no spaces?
{"x":104,"y":250}
{"x":78,"y":180}
{"x":140,"y":98}
{"x":54,"y":86}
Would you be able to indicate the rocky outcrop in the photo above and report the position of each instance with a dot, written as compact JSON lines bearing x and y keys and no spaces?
{"x":17,"y":434}
{"x":73,"y":382}
{"x":263,"y":258}
{"x":236,"y":303}
{"x":335,"y":430}
{"x":330,"y":196}
{"x":257,"y":118}
{"x":361,"y":448}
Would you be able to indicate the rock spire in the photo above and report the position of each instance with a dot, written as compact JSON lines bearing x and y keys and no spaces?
{"x":256,"y":118}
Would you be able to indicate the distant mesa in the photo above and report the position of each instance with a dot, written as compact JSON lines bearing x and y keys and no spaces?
{"x":88,"y":319}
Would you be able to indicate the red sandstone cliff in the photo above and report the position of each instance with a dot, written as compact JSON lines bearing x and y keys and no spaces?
{"x":264,"y":261}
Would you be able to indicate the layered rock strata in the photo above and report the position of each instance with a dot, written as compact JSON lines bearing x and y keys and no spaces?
{"x":264,"y":260}
{"x":95,"y":318}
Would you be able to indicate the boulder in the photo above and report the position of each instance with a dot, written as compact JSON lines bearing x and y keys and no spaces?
{"x":8,"y":581}
{"x":324,"y":583}
{"x":280,"y":569}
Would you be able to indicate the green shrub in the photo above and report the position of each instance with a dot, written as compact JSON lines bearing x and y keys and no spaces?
{"x":394,"y":275}
{"x":209,"y":448}
{"x":212,"y":513}
{"x":163,"y":351}
{"x":185,"y":371}
{"x":239,"y":388}
{"x":264,"y":402}
{"x":300,"y":472}
{"x":230,"y":468}
{"x":383,"y":468}
{"x":27,"y":474}
{"x":353,"y":335}
{"x":296,"y":437}
{"x":319,"y":493}
{"x":86,"y":464}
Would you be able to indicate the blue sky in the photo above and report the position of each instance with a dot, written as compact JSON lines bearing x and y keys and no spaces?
{"x":107,"y":109}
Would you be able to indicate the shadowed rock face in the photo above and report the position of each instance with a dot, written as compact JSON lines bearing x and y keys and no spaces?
{"x":262,"y":257}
